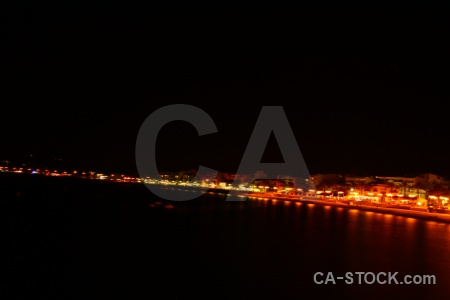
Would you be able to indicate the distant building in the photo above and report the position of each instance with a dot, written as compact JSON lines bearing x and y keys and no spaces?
{"x":397,"y":180}
{"x":328,"y":179}
{"x":359,"y":180}
{"x":225,"y":178}
{"x":428,"y":178}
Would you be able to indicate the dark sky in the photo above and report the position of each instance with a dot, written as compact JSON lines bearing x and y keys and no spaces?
{"x":363,"y":95}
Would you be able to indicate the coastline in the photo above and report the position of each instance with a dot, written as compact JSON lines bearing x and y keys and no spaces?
{"x":397,"y":211}
{"x":410,"y":213}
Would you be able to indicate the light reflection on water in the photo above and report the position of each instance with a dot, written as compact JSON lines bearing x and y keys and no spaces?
{"x":265,"y":240}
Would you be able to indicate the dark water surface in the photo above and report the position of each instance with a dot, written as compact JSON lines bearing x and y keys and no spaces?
{"x":63,"y":238}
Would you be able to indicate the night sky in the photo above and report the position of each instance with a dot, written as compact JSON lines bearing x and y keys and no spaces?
{"x":363,"y":95}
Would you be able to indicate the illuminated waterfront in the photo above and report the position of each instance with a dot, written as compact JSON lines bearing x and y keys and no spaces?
{"x":398,"y":207}
{"x":69,"y":237}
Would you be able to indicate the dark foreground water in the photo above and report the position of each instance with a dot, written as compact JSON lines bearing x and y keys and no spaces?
{"x":63,"y":238}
